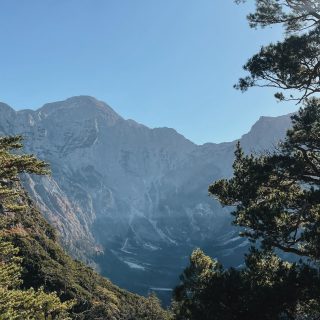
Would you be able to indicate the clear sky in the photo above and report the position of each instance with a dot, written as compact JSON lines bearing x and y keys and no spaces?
{"x":160,"y":62}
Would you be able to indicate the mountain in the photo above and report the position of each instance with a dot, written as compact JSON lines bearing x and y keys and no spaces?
{"x":129,"y":200}
{"x":38,"y":279}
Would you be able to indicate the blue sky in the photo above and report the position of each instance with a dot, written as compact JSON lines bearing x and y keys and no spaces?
{"x":160,"y":62}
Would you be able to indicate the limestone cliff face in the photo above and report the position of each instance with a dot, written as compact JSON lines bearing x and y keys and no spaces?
{"x":131,"y":199}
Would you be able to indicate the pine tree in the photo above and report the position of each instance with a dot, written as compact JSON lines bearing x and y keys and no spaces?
{"x":275,"y":196}
{"x":293,"y":64}
{"x":16,"y":303}
{"x":12,"y":164}
{"x":19,"y":304}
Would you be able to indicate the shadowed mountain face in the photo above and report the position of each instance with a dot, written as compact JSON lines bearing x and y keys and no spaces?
{"x":132,"y":200}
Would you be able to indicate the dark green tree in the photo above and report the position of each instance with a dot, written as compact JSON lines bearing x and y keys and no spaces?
{"x":16,"y":303}
{"x":291,"y":65}
{"x":275,"y":196}
{"x":12,"y":164}
{"x":190,"y":296}
{"x":267,"y":288}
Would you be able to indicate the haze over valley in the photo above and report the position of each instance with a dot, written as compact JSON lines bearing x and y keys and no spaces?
{"x":129,"y":200}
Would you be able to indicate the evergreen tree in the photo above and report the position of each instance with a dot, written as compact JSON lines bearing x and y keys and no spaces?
{"x":266,"y":288}
{"x":30,"y":304}
{"x":150,"y":309}
{"x":16,"y":303}
{"x":275,"y":196}
{"x":291,"y":65}
{"x":11,"y":165}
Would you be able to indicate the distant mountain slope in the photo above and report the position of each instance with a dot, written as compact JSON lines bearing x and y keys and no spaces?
{"x":46,"y":265}
{"x":131,"y":199}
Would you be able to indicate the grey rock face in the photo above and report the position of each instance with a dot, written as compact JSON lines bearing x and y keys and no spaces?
{"x":130,"y":199}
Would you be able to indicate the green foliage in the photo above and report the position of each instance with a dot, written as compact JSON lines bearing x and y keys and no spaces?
{"x":198,"y":275}
{"x":24,"y":304}
{"x":277,"y":196}
{"x":294,"y":15}
{"x":30,"y":304}
{"x":10,"y":266}
{"x":267,"y":288}
{"x":150,"y":309}
{"x":14,"y":302}
{"x":190,"y":296}
{"x":11,"y":165}
{"x":292,"y":64}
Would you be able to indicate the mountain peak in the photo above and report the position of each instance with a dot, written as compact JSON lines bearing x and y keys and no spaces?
{"x":273,"y":127}
{"x":83,"y":104}
{"x":6,"y":108}
{"x":138,"y":193}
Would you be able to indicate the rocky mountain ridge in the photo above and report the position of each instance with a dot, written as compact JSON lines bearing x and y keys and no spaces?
{"x":129,"y":199}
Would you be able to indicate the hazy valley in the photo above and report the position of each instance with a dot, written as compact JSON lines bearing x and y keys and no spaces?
{"x":129,"y":200}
